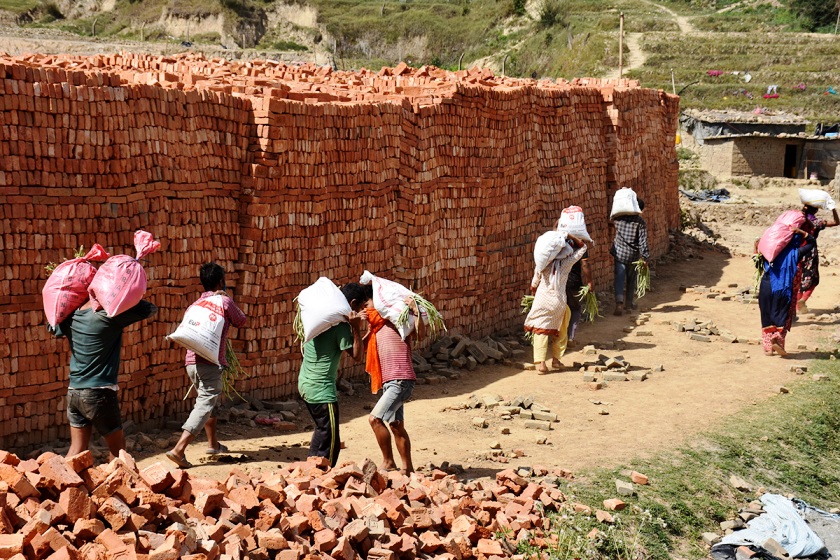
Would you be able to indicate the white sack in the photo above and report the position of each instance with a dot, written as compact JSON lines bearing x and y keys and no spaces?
{"x":389,"y":301}
{"x":625,"y":203}
{"x":817,"y":199}
{"x":201,"y":329}
{"x":572,"y":221}
{"x":550,"y":246}
{"x":322,"y":306}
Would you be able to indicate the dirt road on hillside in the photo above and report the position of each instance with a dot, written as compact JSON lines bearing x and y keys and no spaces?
{"x":702,"y":383}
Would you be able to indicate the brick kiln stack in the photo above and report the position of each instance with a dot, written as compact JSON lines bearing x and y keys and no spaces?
{"x":439,"y":180}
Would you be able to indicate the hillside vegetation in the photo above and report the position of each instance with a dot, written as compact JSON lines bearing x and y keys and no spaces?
{"x":524,"y":38}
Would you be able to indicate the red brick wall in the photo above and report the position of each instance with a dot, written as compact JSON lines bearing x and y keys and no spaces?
{"x":441,"y":181}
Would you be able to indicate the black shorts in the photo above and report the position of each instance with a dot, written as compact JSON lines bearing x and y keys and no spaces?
{"x":97,"y":407}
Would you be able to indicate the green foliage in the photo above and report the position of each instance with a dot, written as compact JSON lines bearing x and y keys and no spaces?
{"x":551,"y":13}
{"x":815,"y":13}
{"x":518,"y":7}
{"x":684,"y":154}
{"x":284,"y":46}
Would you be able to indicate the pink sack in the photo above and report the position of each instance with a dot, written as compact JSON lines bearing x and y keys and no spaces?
{"x":120,"y":283}
{"x":67,"y":287}
{"x":777,"y":236}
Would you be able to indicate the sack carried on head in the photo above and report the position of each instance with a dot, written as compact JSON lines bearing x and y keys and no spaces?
{"x":817,"y":199}
{"x":625,"y":203}
{"x":777,"y":236}
{"x":322,"y":306}
{"x":550,"y":246}
{"x":389,"y":301}
{"x":572,"y":221}
{"x":67,"y":287}
{"x":201,"y":329}
{"x":120,"y":283}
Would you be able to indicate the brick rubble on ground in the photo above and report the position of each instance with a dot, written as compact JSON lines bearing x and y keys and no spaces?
{"x":55,"y":508}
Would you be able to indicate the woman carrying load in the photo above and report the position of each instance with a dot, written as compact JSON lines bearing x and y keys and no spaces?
{"x":811,"y":260}
{"x":777,"y":293}
{"x":572,"y":221}
{"x":548,"y":319}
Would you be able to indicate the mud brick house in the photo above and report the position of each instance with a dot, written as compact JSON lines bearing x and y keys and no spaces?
{"x":732,"y":143}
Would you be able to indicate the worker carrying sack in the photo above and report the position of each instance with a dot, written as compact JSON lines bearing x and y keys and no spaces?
{"x":67,"y":287}
{"x":321,"y":306}
{"x":625,"y":203}
{"x":777,"y":236}
{"x":389,"y":301}
{"x":817,"y":199}
{"x":572,"y":221}
{"x":120,"y":283}
{"x":202,"y":327}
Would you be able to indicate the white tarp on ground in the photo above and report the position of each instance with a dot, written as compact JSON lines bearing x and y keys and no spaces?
{"x":781,"y":522}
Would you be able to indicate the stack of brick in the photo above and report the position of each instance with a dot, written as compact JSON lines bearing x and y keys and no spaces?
{"x":58,"y":509}
{"x":439,"y":180}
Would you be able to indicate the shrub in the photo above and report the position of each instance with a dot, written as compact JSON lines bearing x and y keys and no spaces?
{"x":551,"y":13}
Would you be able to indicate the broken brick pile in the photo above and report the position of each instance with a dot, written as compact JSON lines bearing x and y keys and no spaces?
{"x":58,"y":509}
{"x":439,"y":180}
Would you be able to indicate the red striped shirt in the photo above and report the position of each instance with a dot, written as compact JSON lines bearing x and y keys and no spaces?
{"x":394,"y":354}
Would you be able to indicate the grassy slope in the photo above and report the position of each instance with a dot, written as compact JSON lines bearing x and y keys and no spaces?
{"x":784,"y":59}
{"x":787,"y":444}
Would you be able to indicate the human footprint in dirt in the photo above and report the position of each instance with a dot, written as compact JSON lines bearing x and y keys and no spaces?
{"x":389,"y":359}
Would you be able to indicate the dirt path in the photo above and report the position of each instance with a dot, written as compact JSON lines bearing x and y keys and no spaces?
{"x":685,"y":25}
{"x":702,"y":383}
{"x":636,"y":56}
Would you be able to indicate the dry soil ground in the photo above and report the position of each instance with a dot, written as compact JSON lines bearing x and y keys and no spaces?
{"x":702,"y":383}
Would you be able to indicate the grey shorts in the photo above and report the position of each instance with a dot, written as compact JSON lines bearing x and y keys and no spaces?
{"x":395,"y":394}
{"x":97,"y":407}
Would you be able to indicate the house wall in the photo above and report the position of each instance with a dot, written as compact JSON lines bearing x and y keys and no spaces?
{"x":759,"y":156}
{"x":716,"y":157}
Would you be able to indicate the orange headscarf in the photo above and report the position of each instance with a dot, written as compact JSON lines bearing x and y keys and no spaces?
{"x":372,"y":362}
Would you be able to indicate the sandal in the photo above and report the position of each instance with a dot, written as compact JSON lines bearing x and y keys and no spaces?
{"x":779,"y":350}
{"x":180,"y":461}
{"x":221,"y":449}
{"x":542,"y":369}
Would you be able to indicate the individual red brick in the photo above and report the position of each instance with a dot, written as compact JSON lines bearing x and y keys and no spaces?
{"x":489,"y":547}
{"x":581,"y":508}
{"x":430,"y":542}
{"x":67,"y":553}
{"x":325,"y":540}
{"x":88,"y":529}
{"x":381,"y":554}
{"x":80,"y":461}
{"x":115,"y":512}
{"x":58,"y":473}
{"x":76,"y":503}
{"x":10,"y":545}
{"x":638,"y":478}
{"x":157,"y":476}
{"x":209,"y":501}
{"x":614,"y":504}
{"x":343,"y":550}
{"x":603,"y":516}
{"x":9,"y":458}
{"x":93,"y":477}
{"x":307,"y":502}
{"x":18,"y":483}
{"x":271,"y":540}
{"x":244,"y":495}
